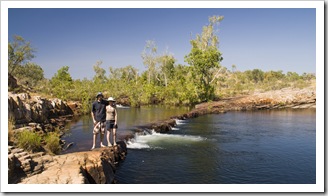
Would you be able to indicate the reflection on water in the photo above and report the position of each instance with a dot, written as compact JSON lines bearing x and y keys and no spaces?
{"x":260,"y":147}
{"x":80,"y":132}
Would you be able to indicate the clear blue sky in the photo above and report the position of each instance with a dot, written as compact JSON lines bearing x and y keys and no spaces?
{"x":263,"y":38}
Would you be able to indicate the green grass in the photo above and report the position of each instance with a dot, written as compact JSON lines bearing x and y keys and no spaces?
{"x":29,"y":141}
{"x":52,"y":143}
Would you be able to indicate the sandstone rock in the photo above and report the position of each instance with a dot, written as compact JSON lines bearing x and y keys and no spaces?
{"x":26,"y":109}
{"x":97,"y":166}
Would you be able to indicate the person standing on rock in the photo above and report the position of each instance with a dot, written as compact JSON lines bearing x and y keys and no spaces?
{"x":111,"y":120}
{"x":98,"y":114}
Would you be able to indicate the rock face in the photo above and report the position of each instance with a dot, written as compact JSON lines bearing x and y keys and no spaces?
{"x":90,"y":167}
{"x":25,"y":109}
{"x":279,"y":99}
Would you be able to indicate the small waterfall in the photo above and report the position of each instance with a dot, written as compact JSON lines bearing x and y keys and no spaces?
{"x":149,"y":139}
{"x":180,"y":122}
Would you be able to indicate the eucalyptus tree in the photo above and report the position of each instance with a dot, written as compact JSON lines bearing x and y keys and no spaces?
{"x":126,"y":74}
{"x":204,"y":56}
{"x":19,"y":53}
{"x":150,"y":59}
{"x":166,"y":67}
{"x":100,"y":76}
{"x":99,"y":79}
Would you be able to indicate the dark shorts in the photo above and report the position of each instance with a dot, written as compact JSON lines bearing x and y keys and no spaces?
{"x":110,"y":124}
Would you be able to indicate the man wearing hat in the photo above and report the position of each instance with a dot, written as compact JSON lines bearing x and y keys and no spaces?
{"x":98,"y":113}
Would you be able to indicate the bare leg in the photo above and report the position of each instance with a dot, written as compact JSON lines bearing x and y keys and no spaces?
{"x":94,"y":141}
{"x":108,"y":140}
{"x":114,"y":136}
{"x":101,"y":140}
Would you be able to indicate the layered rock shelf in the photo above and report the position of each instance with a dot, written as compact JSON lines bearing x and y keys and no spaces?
{"x":89,"y":167}
{"x":279,"y":99}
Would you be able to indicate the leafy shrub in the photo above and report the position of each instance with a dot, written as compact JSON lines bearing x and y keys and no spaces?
{"x":29,"y":141}
{"x":52,"y":143}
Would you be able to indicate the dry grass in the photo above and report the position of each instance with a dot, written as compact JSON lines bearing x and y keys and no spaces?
{"x":11,"y":127}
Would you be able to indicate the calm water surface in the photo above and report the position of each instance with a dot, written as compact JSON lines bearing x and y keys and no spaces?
{"x":80,"y":132}
{"x":262,"y":147}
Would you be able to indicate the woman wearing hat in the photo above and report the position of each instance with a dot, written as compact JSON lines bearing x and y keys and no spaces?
{"x":111,"y":120}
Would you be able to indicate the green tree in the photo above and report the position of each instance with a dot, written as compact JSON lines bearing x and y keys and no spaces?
{"x":61,"y":83}
{"x":292,"y":76}
{"x":166,"y":67}
{"x":29,"y":74}
{"x":19,"y":52}
{"x":127,"y":74}
{"x":205,"y":56}
{"x":308,"y":76}
{"x":273,"y":75}
{"x":100,"y":76}
{"x":256,"y":75}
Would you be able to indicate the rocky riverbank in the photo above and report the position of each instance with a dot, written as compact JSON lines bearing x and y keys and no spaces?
{"x":91,"y":167}
{"x":38,"y":114}
{"x":279,"y":99}
{"x":41,"y":115}
{"x":99,"y":166}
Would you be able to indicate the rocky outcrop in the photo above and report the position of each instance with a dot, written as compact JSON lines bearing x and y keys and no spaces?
{"x":24,"y":108}
{"x":90,"y":167}
{"x":41,"y":115}
{"x":279,"y":99}
{"x":23,"y":164}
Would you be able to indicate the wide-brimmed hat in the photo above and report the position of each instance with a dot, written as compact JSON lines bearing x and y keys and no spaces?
{"x":111,"y":99}
{"x":99,"y":94}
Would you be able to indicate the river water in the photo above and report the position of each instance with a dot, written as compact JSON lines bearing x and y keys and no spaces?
{"x":262,"y":147}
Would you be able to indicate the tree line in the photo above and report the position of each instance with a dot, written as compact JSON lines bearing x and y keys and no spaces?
{"x":163,"y":82}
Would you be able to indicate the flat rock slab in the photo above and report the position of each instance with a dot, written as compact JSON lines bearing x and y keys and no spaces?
{"x":89,"y":167}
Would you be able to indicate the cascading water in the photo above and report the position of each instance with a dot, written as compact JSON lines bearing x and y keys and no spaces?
{"x":151,"y":139}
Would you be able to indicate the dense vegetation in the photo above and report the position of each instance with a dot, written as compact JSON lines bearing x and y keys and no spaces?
{"x":164,"y":81}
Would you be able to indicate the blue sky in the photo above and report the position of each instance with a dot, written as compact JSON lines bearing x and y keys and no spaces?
{"x":250,"y":38}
